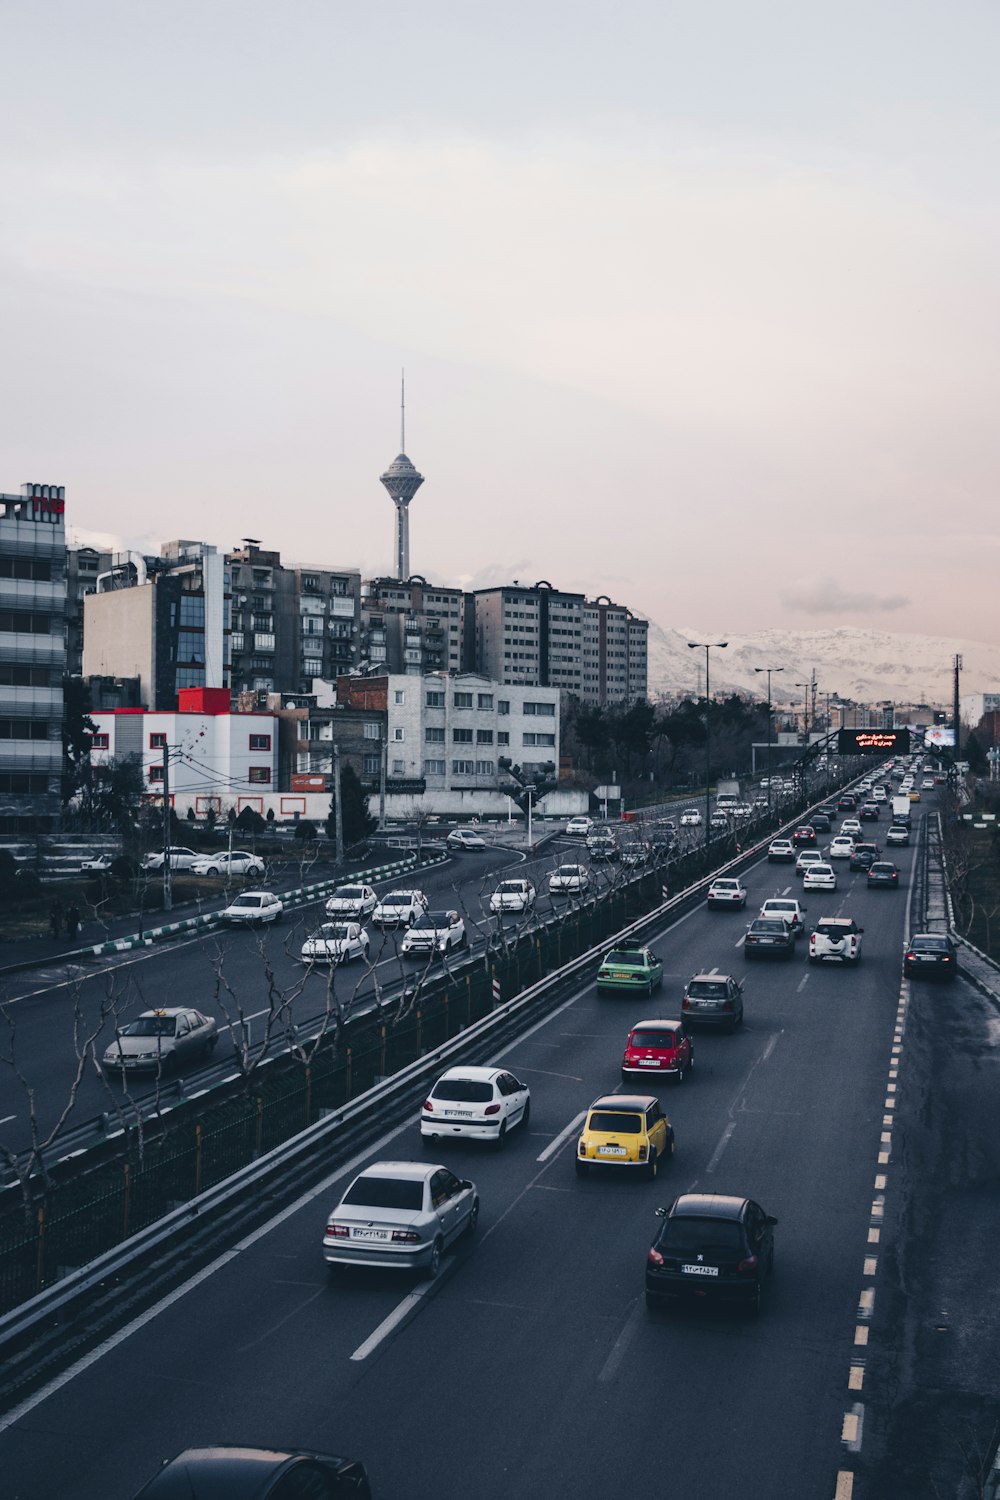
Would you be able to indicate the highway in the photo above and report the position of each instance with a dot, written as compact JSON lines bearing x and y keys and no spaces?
{"x":532,"y":1365}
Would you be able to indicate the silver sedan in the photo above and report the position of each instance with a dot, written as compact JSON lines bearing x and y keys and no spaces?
{"x":401,"y":1214}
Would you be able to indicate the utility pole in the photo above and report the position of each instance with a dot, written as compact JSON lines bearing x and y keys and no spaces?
{"x":707,"y":647}
{"x":957,"y":717}
{"x":168,"y":898}
{"x":769,"y":671}
{"x":382,"y":769}
{"x":338,"y":811}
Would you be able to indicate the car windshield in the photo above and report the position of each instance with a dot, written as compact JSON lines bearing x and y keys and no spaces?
{"x":434,"y":919}
{"x":510,"y":887}
{"x":879,"y":869}
{"x":685,"y":1236}
{"x":386,"y":1192}
{"x":707,"y":989}
{"x":781,"y":905}
{"x":249,"y":901}
{"x":617,"y":1124}
{"x":348,"y":893}
{"x":821,"y":870}
{"x":398,"y":898}
{"x":626,"y":956}
{"x":150,"y":1026}
{"x":665,"y":1040}
{"x":467,"y":1090}
{"x":568,"y":872}
{"x":331,"y":932}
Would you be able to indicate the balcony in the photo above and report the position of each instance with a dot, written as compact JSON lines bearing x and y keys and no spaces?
{"x":31,"y":755}
{"x":263,"y":641}
{"x":33,"y":702}
{"x":26,"y":593}
{"x":33,"y":650}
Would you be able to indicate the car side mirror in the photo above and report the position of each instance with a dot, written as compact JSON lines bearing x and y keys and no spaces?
{"x":466,"y":1183}
{"x":861,"y":929}
{"x":661,"y":1213}
{"x":771,"y":1219}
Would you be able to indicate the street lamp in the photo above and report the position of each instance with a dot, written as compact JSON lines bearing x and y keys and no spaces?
{"x":707,"y":647}
{"x":769,"y":670}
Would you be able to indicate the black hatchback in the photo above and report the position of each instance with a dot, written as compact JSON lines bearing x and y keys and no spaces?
{"x":932,"y":955}
{"x":711,"y":1247}
{"x":257,"y":1474}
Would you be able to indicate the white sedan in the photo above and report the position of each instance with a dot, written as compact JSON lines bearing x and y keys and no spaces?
{"x":580,"y":827}
{"x":479,"y":1103}
{"x":690,"y":818}
{"x":569,"y":880}
{"x":251,"y":907}
{"x":240,"y":862}
{"x":819,"y":877}
{"x":96,"y":864}
{"x":336,"y":943}
{"x":841,"y":847}
{"x":513,"y":895}
{"x":399,"y":909}
{"x":357,"y":901}
{"x":731,"y":893}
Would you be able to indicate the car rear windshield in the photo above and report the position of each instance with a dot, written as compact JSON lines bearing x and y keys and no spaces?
{"x":511,"y":887}
{"x":625,"y":956}
{"x":386,"y":1192}
{"x":665,"y":1040}
{"x":762,"y":925}
{"x":611,"y":1121}
{"x":249,"y":901}
{"x":880,"y":869}
{"x":467,"y":1090}
{"x":687,"y":1236}
{"x":930,"y":944}
{"x":707,"y":989}
{"x":831,"y":929}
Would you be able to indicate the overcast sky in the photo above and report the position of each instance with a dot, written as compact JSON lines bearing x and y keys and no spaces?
{"x":699,"y":302}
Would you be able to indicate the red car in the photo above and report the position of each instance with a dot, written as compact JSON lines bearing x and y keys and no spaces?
{"x":804,"y":837}
{"x":658,"y":1047}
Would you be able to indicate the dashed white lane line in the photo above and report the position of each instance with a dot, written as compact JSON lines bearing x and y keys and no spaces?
{"x":850,"y":1432}
{"x":861,"y":1333}
{"x":723,"y":1143}
{"x":562,"y":1137}
{"x":803,"y":982}
{"x":866,"y":1302}
{"x":856,"y":1377}
{"x":620,"y":1346}
{"x":845,"y":1485}
{"x":399,"y":1312}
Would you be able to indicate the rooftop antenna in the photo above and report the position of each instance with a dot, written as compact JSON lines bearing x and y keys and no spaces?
{"x":402,"y":411}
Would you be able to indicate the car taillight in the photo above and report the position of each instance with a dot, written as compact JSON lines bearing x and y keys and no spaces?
{"x":946,"y":958}
{"x":582,"y":1148}
{"x":492,"y":1109}
{"x":405,"y":1237}
{"x":337,"y":1231}
{"x":685,"y":1003}
{"x":728,"y":1005}
{"x":910,"y":957}
{"x":746,"y":1266}
{"x":428,"y":1106}
{"x":654,"y":1257}
{"x":642,"y":1152}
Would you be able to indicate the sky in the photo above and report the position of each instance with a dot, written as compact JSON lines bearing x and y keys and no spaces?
{"x":698,"y":300}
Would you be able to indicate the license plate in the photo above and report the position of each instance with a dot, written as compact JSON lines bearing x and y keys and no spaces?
{"x":765,"y":942}
{"x":611,"y":1151}
{"x":617,"y":975}
{"x":700,"y":1270}
{"x":459,"y":1114}
{"x":369,"y":1234}
{"x":648,"y":1062}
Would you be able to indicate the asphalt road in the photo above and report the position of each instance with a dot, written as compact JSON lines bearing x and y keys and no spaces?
{"x":532,"y":1366}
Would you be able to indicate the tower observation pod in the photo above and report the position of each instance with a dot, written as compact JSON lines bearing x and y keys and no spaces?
{"x":402,"y":481}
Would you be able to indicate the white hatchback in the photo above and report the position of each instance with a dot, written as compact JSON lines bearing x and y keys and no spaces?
{"x":820,"y":877}
{"x":477,"y":1103}
{"x":842,"y":847}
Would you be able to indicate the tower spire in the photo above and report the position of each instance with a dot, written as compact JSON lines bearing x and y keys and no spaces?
{"x":402,"y":481}
{"x":402,"y":411}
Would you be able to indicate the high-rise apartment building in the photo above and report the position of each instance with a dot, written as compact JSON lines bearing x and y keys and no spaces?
{"x":614,"y":653}
{"x":412,"y":626}
{"x":32,"y":657}
{"x":530,"y":635}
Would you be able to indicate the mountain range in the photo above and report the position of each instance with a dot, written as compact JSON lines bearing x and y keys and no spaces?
{"x":867,"y":666}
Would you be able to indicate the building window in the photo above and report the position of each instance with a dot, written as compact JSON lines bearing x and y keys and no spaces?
{"x":259,"y":774}
{"x":398,"y":735}
{"x":486,"y":700}
{"x":434,"y":767}
{"x":261,"y":741}
{"x":503,"y":704}
{"x":538,"y":739}
{"x":462,"y":736}
{"x":156,"y":773}
{"x":373,"y":731}
{"x":371,"y":765}
{"x":312,"y":666}
{"x":463,"y":768}
{"x":434,"y":736}
{"x":484,"y":768}
{"x":398,"y":767}
{"x":435,"y":699}
{"x":157,"y":741}
{"x":463,"y":700}
{"x":541,"y":710}
{"x":503,"y":738}
{"x":399,"y":695}
{"x":98,"y":742}
{"x":484,"y":736}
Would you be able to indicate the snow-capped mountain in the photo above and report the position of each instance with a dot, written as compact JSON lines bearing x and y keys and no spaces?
{"x":865,"y":665}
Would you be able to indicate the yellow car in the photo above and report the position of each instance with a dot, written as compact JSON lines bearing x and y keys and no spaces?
{"x":914,"y":795}
{"x":625,"y":1130}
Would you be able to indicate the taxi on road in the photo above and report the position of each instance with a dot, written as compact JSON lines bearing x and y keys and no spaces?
{"x":625,"y":1130}
{"x":630,"y":969}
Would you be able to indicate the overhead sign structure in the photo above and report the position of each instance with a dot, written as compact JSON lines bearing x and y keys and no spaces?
{"x":873,"y":742}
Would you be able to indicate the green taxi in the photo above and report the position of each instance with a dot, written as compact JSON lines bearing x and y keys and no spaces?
{"x":635,"y":969}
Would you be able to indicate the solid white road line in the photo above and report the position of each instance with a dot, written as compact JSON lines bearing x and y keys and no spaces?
{"x":402,"y":1310}
{"x":563,"y":1136}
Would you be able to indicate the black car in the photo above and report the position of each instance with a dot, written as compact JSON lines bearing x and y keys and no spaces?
{"x":602,"y":848}
{"x":710,"y":1246}
{"x":257,"y":1474}
{"x":883,"y":873}
{"x":804,"y":837}
{"x":863,"y":856}
{"x":932,"y":955}
{"x":820,"y":821}
{"x":869,"y":812}
{"x":847,"y":803}
{"x":829,"y":810}
{"x":769,"y":935}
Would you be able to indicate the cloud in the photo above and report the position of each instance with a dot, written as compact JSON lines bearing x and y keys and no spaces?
{"x":828,"y":597}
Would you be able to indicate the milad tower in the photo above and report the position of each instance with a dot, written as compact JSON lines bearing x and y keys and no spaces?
{"x":402,"y":481}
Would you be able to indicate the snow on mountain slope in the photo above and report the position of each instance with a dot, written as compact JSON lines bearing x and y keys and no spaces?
{"x":865,"y":665}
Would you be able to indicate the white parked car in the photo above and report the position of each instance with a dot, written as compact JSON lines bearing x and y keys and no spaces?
{"x":240,"y":862}
{"x":336,"y":943}
{"x":569,"y":880}
{"x":726,"y":892}
{"x":819,"y":877}
{"x":837,"y":939}
{"x":401,"y":1214}
{"x":842,"y":847}
{"x":399,"y":909}
{"x":251,"y":907}
{"x":180,"y":859}
{"x":96,"y":864}
{"x":352,"y":901}
{"x":479,"y":1103}
{"x":435,"y":932}
{"x":513,"y":895}
{"x":691,"y":818}
{"x":464,"y":838}
{"x":580,"y":828}
{"x":789,"y":909}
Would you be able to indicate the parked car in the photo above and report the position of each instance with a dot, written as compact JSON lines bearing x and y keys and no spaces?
{"x":400,"y":1214}
{"x":883,"y":874}
{"x":180,"y":859}
{"x":626,"y":1131}
{"x":513,"y":896}
{"x":465,"y":838}
{"x":336,"y":943}
{"x":481,"y":1104}
{"x":625,"y":969}
{"x":713,"y":1000}
{"x":656,"y":1047}
{"x":251,"y":908}
{"x":769,"y":937}
{"x":160,"y":1040}
{"x":580,"y":827}
{"x":239,"y":862}
{"x":97,"y":864}
{"x":930,"y":954}
{"x":780,"y":851}
{"x":569,"y":880}
{"x":725,"y":892}
{"x":789,"y":909}
{"x":436,"y":932}
{"x":399,"y":909}
{"x":352,"y":902}
{"x":837,"y":939}
{"x":257,"y":1474}
{"x":712,"y":1246}
{"x":819,"y":877}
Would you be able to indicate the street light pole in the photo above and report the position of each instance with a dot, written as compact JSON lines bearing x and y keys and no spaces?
{"x":769,"y":670}
{"x":707,"y":647}
{"x":805,"y":711}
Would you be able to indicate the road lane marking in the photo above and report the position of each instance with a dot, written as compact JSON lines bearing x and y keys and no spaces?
{"x":866,"y":1302}
{"x":723,"y":1143}
{"x":845,"y":1485}
{"x":861,"y":1333}
{"x":620,"y":1346}
{"x":856,"y":1377}
{"x":7,"y":1119}
{"x":563,"y":1136}
{"x":547,"y":1073}
{"x":802,"y":983}
{"x":402,"y":1310}
{"x":853,"y":1427}
{"x":874,"y":1235}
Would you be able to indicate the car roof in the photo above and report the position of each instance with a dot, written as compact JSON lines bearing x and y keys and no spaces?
{"x":837,"y":921}
{"x":166,"y":1010}
{"x":708,"y":1206}
{"x":715,"y":978}
{"x":415,"y":1171}
{"x":475,"y":1075}
{"x":624,"y":1103}
{"x":659,"y":1022}
{"x":224,"y":1473}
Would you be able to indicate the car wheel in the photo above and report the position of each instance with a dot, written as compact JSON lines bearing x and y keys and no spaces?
{"x":654,"y":1165}
{"x":212,"y":870}
{"x":434,"y":1264}
{"x":470,"y":1227}
{"x":502,"y":1135}
{"x":526,"y":1116}
{"x":680,"y":1073}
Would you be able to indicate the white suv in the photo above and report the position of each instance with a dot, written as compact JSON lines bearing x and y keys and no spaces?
{"x":835,"y":938}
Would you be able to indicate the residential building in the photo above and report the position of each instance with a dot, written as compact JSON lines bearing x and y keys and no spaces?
{"x":412,"y":626}
{"x":530,"y":635}
{"x":614,"y":653}
{"x":32,"y":657}
{"x":84,"y":565}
